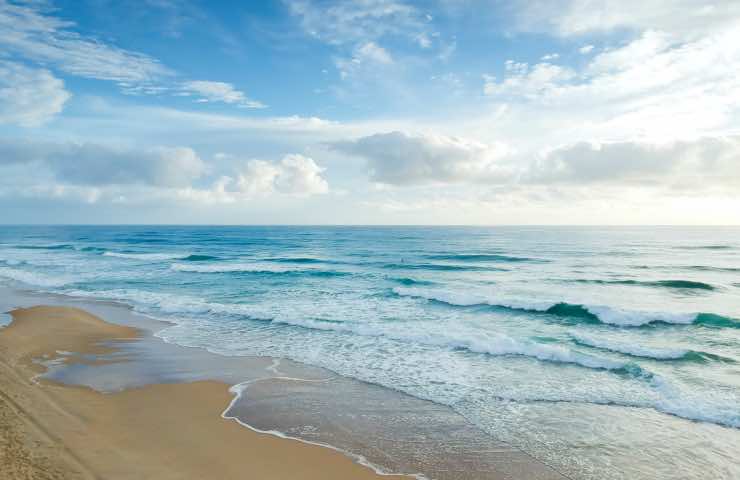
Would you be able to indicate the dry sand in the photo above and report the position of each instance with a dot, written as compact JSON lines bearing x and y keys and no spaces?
{"x":166,"y":431}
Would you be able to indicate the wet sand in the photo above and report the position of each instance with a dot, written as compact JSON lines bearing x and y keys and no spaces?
{"x":164,"y":431}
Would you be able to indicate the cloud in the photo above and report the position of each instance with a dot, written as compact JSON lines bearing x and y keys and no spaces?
{"x":586,"y":49}
{"x":360,"y":21}
{"x":364,"y":62}
{"x":403,"y":159}
{"x":29,"y":97}
{"x":651,"y":87}
{"x":399,"y":158}
{"x":219,"y":92}
{"x":688,"y":19}
{"x":29,"y":30}
{"x":700,"y":164}
{"x":294,"y":174}
{"x":98,"y":165}
{"x":522,"y":80}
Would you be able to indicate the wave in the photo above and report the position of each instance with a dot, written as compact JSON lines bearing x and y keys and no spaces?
{"x":656,"y":353}
{"x":200,"y":258}
{"x":33,"y":278}
{"x":584,"y":313}
{"x":705,"y":247}
{"x":675,"y":284}
{"x":495,"y":345}
{"x":440,"y":267}
{"x":696,"y":268}
{"x":92,"y":249}
{"x":411,"y":281}
{"x":252,"y":268}
{"x":58,"y":246}
{"x":155,"y":257}
{"x":631,"y":349}
{"x":169,"y":303}
{"x":483,"y":257}
{"x":302,"y":260}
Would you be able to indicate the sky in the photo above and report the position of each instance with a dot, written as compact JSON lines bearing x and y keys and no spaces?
{"x":370,"y":112}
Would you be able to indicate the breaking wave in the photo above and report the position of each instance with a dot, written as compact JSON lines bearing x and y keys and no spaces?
{"x":585,"y":313}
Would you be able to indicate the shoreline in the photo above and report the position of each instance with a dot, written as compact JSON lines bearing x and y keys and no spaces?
{"x":51,"y":430}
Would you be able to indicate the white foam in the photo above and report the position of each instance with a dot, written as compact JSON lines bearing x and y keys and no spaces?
{"x":605,"y":314}
{"x":490,"y":344}
{"x":722,"y":408}
{"x":630,"y":349}
{"x":634,"y":318}
{"x":147,"y":256}
{"x":235,"y":267}
{"x":34,"y":278}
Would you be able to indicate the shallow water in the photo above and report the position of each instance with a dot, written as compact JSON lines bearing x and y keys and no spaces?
{"x":605,"y":352}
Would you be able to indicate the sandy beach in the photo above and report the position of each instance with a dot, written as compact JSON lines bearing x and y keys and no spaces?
{"x":163,"y":431}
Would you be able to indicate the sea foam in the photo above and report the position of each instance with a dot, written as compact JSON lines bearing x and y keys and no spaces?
{"x":154,"y":257}
{"x":589,"y":313}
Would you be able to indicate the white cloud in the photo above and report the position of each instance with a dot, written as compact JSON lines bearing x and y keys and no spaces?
{"x":652,"y":87}
{"x":550,"y":56}
{"x":294,"y":174}
{"x":98,"y":164}
{"x":522,"y":80}
{"x":27,"y":30}
{"x":399,"y":158}
{"x":359,"y":21}
{"x":586,"y":49}
{"x":29,"y":97}
{"x":365,"y":60}
{"x":373,"y":52}
{"x":696,"y":165}
{"x":688,"y":19}
{"x":219,"y":92}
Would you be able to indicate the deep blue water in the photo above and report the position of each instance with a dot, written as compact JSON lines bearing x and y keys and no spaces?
{"x":598,"y":350}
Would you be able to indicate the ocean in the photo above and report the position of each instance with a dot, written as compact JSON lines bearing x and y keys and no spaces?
{"x":605,"y":352}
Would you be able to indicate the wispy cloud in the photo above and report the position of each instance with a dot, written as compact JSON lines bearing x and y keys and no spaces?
{"x":208,"y":91}
{"x":361,"y":21}
{"x":31,"y":31}
{"x":29,"y":97}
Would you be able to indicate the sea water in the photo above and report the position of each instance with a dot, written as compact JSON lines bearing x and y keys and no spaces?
{"x":605,"y":352}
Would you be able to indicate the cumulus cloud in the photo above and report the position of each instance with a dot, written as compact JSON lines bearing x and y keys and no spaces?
{"x":209,"y":91}
{"x":402,"y":159}
{"x":399,"y":158}
{"x":96,"y":164}
{"x":29,"y":97}
{"x":293,"y":174}
{"x":699,"y":164}
{"x":652,"y":87}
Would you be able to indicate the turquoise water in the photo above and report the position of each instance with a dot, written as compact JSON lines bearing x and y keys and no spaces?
{"x":603,"y":351}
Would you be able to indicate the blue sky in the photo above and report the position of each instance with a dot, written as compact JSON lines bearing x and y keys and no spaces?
{"x":370,"y":111}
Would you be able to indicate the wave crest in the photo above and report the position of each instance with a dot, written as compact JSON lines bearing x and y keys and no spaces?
{"x":584,"y":313}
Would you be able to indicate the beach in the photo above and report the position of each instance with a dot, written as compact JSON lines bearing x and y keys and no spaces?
{"x":163,"y":431}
